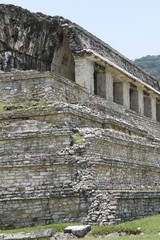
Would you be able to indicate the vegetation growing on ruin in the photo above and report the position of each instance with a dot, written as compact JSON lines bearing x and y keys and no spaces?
{"x":9,"y":106}
{"x":78,"y":138}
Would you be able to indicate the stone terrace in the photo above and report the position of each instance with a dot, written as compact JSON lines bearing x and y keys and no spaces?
{"x":48,"y":176}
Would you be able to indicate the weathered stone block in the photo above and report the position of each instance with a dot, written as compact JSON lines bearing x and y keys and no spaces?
{"x":78,"y":231}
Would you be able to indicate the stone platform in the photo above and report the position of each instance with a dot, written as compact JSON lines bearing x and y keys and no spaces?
{"x":84,"y":160}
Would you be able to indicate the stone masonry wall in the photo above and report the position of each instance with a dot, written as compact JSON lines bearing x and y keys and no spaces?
{"x":28,"y":212}
{"x":66,"y":155}
{"x":137,"y":204}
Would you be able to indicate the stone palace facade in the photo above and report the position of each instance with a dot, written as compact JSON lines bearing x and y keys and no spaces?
{"x":80,"y":126}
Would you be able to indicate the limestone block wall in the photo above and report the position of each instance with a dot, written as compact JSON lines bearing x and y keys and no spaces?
{"x":18,"y":212}
{"x":47,"y":176}
{"x":120,"y":178}
{"x":127,"y":178}
{"x":36,"y":186}
{"x":28,"y":179}
{"x":125,"y":166}
{"x":34,"y":86}
{"x":137,"y":204}
{"x":35,"y":181}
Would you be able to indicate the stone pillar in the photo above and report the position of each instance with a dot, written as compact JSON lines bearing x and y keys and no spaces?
{"x":153,"y":108}
{"x":147,"y":105}
{"x":84,"y":73}
{"x":126,"y":95}
{"x":140,"y":101}
{"x":109,"y":86}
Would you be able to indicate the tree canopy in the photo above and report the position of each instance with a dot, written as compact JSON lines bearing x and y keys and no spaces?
{"x":150,"y":64}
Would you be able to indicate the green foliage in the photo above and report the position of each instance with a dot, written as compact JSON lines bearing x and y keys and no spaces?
{"x":77,"y":138}
{"x":150,"y":64}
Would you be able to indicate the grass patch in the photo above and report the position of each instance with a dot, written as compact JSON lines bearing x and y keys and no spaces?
{"x":104,"y":230}
{"x":149,"y":227}
{"x":131,"y":237}
{"x":59,"y":227}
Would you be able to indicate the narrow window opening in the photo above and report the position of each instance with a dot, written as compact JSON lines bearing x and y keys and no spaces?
{"x":100,"y":81}
{"x":118,"y":92}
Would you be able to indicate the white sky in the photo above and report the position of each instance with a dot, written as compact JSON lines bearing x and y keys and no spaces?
{"x":129,"y":26}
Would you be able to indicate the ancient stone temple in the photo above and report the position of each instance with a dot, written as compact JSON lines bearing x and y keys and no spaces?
{"x":79,"y":123}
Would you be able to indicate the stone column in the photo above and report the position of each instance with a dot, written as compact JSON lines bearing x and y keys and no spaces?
{"x":109,"y":86}
{"x":126,"y":96}
{"x":147,"y":105}
{"x":84,"y":73}
{"x":153,"y":108}
{"x":140,"y":101}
